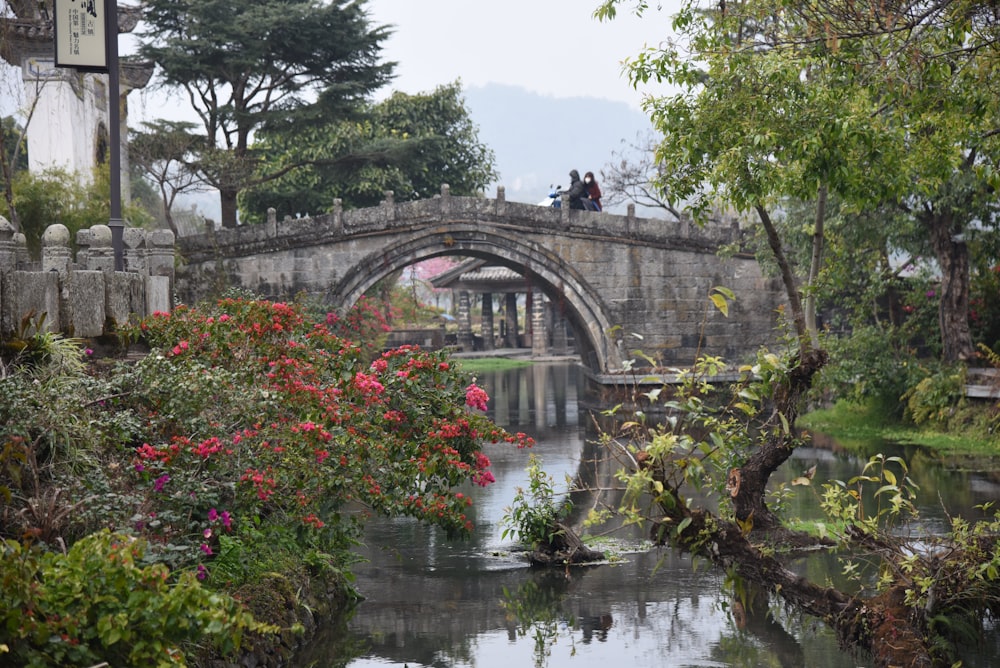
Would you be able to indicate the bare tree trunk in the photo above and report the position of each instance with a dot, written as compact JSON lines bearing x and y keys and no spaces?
{"x":787,"y":277}
{"x":227,"y":197}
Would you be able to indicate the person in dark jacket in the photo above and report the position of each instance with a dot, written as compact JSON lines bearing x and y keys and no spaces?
{"x":593,"y":190}
{"x":577,"y":190}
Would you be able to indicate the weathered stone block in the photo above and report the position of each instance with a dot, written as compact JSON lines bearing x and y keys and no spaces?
{"x":29,"y":294}
{"x":158,"y":296}
{"x":85,"y":303}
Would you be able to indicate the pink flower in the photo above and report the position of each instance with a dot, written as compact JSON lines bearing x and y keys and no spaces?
{"x":213,"y":514}
{"x":202,"y":572}
{"x":160,"y":482}
{"x":206,"y":549}
{"x":476,"y":397}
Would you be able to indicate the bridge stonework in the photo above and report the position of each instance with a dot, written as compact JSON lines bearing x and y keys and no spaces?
{"x":624,"y":283}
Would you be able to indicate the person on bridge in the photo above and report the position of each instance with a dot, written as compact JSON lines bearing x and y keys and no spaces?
{"x":577,"y":190}
{"x":593,"y":190}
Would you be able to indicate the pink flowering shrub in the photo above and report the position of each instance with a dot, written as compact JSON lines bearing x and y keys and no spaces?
{"x":257,"y":416}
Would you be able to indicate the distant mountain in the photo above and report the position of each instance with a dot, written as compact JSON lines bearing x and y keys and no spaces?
{"x":538,"y":139}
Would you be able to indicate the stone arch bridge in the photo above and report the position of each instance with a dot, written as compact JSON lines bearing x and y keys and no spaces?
{"x":621,"y":283}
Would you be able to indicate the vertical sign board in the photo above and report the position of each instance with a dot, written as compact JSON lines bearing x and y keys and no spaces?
{"x":80,"y":34}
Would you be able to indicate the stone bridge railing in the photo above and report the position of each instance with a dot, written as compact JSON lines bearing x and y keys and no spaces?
{"x":81,"y":294}
{"x":390,"y":215}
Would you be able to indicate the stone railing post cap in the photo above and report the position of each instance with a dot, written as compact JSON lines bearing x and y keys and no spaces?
{"x":161,"y":238}
{"x":55,"y":235}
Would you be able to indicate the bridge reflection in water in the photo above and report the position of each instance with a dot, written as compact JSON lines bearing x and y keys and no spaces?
{"x":430,"y":602}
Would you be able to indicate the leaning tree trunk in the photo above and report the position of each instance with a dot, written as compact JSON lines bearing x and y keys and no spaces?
{"x":953,"y":308}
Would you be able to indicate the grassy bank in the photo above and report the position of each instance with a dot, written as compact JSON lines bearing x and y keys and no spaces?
{"x":855,"y":424}
{"x":483,"y":364}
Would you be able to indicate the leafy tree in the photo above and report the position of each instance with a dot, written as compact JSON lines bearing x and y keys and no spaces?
{"x":166,"y":152}
{"x":262,"y":65}
{"x":828,"y":97}
{"x":409,"y":144}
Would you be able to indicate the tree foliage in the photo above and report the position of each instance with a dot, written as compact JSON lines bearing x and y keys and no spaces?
{"x":879,"y":105}
{"x":262,"y":65}
{"x":407,"y":144}
{"x":166,"y":153}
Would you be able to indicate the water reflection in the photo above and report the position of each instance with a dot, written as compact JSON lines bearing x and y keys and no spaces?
{"x":430,"y":602}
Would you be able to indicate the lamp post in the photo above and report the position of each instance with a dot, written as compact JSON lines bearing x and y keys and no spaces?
{"x":116,"y":223}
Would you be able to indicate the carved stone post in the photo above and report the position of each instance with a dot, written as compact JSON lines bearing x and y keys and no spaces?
{"x":102,"y":255}
{"x":56,"y":255}
{"x":338,"y":216}
{"x":8,"y":247}
{"x":135,"y":250}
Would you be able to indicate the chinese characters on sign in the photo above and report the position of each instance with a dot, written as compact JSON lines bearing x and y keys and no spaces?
{"x":80,"y":32}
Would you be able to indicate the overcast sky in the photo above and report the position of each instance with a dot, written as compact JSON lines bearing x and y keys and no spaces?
{"x":554,"y":47}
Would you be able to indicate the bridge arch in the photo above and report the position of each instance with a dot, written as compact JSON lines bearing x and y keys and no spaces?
{"x":586,"y":311}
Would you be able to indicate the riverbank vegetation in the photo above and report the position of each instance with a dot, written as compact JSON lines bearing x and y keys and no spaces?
{"x":858,"y":144}
{"x":170,"y":489}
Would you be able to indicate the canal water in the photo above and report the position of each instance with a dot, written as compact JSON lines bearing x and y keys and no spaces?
{"x":474,"y":604}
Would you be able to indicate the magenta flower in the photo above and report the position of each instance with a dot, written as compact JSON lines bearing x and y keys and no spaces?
{"x":160,"y":482}
{"x":206,"y":549}
{"x":212,"y":514}
{"x":202,"y":572}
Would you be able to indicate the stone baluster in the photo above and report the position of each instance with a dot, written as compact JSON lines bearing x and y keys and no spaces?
{"x":564,"y":209}
{"x":21,"y":249}
{"x":160,"y":283}
{"x":134,"y":240}
{"x":160,"y":253}
{"x":389,"y":205}
{"x":101,"y":255}
{"x":271,"y":226}
{"x":338,"y":216}
{"x":84,"y":240}
{"x":56,"y":255}
{"x":8,"y":247}
{"x":501,"y":200}
{"x":445,"y":198}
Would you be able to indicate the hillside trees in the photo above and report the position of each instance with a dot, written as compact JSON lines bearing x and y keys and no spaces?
{"x":409,"y":144}
{"x":262,"y":65}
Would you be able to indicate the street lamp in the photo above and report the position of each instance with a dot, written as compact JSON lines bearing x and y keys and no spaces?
{"x":115,"y":222}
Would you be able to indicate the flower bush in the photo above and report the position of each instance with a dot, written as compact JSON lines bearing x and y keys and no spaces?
{"x":249,"y":440}
{"x":256,"y":412}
